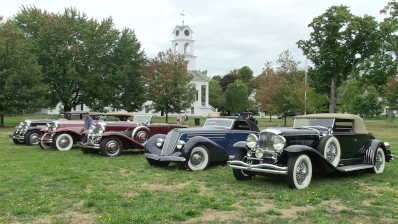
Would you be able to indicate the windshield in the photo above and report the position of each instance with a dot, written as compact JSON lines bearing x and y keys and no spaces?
{"x":325,"y":122}
{"x":142,"y":118}
{"x":226,"y":123}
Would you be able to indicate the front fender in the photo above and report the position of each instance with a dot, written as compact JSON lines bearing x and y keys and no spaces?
{"x":216,"y":152}
{"x":316,"y":158}
{"x":127,"y":140}
{"x":151,"y":147}
{"x":69,"y":131}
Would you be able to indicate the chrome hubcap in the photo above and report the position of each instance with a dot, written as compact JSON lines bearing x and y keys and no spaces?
{"x":301,"y":172}
{"x":112,"y":147}
{"x":379,"y":161}
{"x":197,"y":158}
{"x":64,"y":142}
{"x":35,"y":138}
{"x":142,"y":137}
{"x":331,"y":153}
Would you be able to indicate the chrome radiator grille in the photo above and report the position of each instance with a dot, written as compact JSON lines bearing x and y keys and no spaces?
{"x":264,"y":136}
{"x":169,"y":143}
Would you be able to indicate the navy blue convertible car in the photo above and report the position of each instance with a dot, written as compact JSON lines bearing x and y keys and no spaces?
{"x":196,"y":148}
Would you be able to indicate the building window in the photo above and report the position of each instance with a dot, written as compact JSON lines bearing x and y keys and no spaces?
{"x":192,"y":110}
{"x":187,"y":48}
{"x":176,"y":47}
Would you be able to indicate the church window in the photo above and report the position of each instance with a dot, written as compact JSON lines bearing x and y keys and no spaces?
{"x":187,"y":48}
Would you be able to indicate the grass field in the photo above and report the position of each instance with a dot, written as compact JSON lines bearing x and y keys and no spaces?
{"x":49,"y":186}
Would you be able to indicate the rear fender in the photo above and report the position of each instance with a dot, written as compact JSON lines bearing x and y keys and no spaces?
{"x":217,"y":153}
{"x":369,"y":156}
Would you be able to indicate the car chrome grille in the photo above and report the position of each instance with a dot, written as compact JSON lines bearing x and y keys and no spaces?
{"x":169,"y":143}
{"x":263,"y":139}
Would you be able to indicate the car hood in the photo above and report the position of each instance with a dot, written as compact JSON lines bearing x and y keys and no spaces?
{"x":295,"y":131}
{"x":201,"y":129}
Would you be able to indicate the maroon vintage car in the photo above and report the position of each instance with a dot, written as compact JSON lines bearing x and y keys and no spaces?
{"x":110,"y":138}
{"x":63,"y":134}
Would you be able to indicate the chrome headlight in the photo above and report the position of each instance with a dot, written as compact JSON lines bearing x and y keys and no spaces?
{"x":159,"y":142}
{"x":27,"y":123}
{"x":48,"y":125}
{"x":279,"y":142}
{"x":55,"y":126}
{"x":102,"y":128}
{"x":91,"y":129}
{"x":251,"y":141}
{"x":180,"y":144}
{"x":21,"y":125}
{"x":259,"y":153}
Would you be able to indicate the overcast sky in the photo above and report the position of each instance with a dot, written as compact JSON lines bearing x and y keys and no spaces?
{"x":228,"y":34}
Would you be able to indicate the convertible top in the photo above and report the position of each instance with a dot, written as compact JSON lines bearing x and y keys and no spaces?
{"x":358,"y":123}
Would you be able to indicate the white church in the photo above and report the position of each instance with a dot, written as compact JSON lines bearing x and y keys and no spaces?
{"x":184,"y":44}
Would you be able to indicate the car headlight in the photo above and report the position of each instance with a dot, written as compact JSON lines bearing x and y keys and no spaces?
{"x":259,"y":153}
{"x":251,"y":141}
{"x":279,"y":142}
{"x":27,"y":123}
{"x":101,"y":129}
{"x":159,"y":142}
{"x":180,"y":144}
{"x":55,"y":126}
{"x":48,"y":125}
{"x":91,"y":129}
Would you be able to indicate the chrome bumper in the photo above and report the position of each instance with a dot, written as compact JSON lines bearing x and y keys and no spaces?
{"x":164,"y":158}
{"x":18,"y":137}
{"x":88,"y":145}
{"x":261,"y":168}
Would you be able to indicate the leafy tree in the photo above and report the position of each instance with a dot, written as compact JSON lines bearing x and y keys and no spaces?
{"x":215,"y":94}
{"x":226,"y":80}
{"x":390,"y":94}
{"x":316,"y":102}
{"x":21,"y":85}
{"x":169,"y":85}
{"x":368,"y":103}
{"x":85,"y":61}
{"x":217,"y":78}
{"x":281,"y":90}
{"x":236,"y":99}
{"x":339,"y":43}
{"x":347,"y":101}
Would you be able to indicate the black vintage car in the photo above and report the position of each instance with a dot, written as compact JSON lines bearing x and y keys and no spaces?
{"x":330,"y":142}
{"x":196,"y":148}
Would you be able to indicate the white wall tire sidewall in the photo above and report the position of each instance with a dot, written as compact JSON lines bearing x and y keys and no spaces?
{"x":307,"y":180}
{"x":383,"y":164}
{"x":59,"y":138}
{"x":205,"y":162}
{"x":333,"y":140}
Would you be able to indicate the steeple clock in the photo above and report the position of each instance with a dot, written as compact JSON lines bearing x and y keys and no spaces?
{"x":183,"y":44}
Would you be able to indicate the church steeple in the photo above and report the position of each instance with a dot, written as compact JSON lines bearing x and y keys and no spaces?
{"x":184,"y":44}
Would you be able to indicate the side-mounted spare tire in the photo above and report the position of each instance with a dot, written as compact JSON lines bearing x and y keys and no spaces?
{"x":329,"y":147}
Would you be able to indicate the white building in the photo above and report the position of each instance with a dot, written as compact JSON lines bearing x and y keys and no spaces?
{"x":184,"y":44}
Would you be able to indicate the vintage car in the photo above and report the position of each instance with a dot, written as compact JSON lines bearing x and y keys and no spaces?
{"x":110,"y":138}
{"x":196,"y":148}
{"x":249,"y":115}
{"x":214,"y":114}
{"x":29,"y":131}
{"x":63,"y":134}
{"x":329,"y":142}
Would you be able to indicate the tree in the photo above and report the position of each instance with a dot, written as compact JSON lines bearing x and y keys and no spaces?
{"x":390,"y":94}
{"x":226,"y":80}
{"x":368,"y":103}
{"x":21,"y":84}
{"x":85,"y":61}
{"x":215,"y":94}
{"x":236,"y":99}
{"x":169,"y":85}
{"x":281,"y":90}
{"x":339,"y":43}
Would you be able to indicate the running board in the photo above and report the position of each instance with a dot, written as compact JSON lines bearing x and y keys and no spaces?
{"x":354,"y":167}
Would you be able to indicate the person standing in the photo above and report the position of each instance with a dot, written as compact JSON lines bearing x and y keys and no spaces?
{"x":179,"y":118}
{"x":186,"y":119}
{"x":88,"y":121}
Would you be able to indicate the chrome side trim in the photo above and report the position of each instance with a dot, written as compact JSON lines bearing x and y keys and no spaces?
{"x":164,"y":158}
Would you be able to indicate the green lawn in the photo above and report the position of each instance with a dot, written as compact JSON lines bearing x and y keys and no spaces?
{"x":48,"y":186}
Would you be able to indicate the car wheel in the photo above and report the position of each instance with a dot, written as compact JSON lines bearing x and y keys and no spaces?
{"x":242,"y":174}
{"x":17,"y":142}
{"x":199,"y":158}
{"x":32,"y":138}
{"x":63,"y":142}
{"x":329,"y":147}
{"x":141,"y":136}
{"x":153,"y":162}
{"x":111,"y":146}
{"x":44,"y":145}
{"x":299,"y":172}
{"x":380,"y":161}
